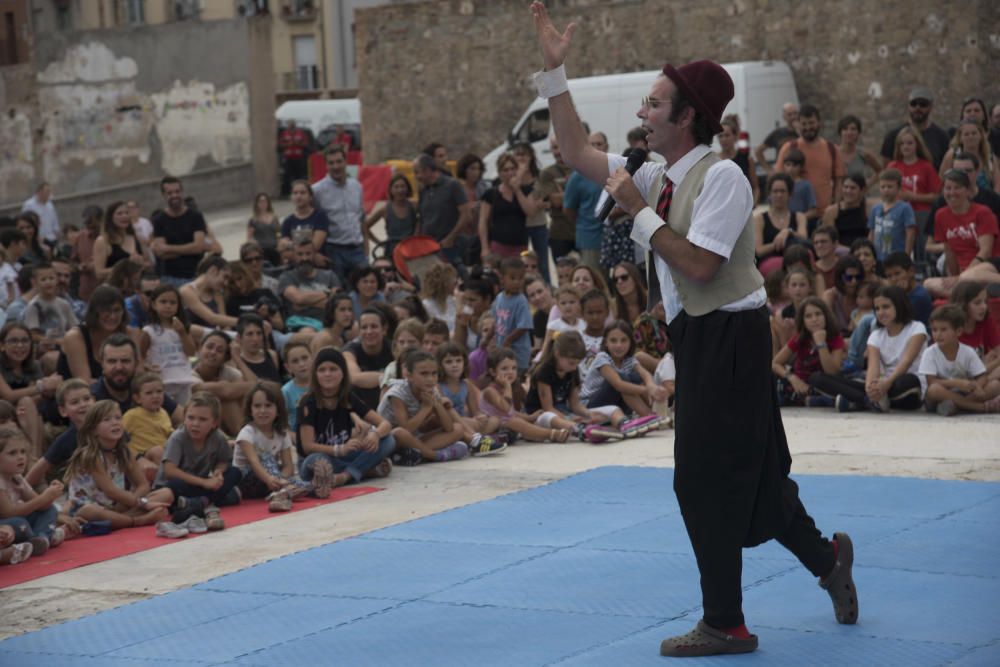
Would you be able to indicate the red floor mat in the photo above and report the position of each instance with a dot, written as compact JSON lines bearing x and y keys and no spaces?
{"x":87,"y":550}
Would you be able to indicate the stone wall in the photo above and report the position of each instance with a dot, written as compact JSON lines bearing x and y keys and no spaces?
{"x":458,"y":71}
{"x":109,"y":112}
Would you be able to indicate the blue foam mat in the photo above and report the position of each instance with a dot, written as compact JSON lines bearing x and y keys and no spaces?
{"x":594,"y":569}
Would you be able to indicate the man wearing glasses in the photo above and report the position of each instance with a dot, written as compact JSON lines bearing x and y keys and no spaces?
{"x":138,"y":306}
{"x":921,"y":103}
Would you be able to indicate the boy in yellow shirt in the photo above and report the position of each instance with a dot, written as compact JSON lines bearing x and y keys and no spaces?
{"x":147,"y":424}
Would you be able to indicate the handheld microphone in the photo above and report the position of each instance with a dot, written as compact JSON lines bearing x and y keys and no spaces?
{"x":636,"y":157}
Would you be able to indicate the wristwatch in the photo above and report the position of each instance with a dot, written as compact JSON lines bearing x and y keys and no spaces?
{"x":39,"y":386}
{"x":143,"y":501}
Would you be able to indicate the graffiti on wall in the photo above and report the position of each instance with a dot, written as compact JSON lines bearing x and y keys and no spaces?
{"x":93,"y":111}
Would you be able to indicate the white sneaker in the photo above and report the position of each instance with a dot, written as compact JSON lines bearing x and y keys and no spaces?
{"x":170,"y":530}
{"x":194,"y":525}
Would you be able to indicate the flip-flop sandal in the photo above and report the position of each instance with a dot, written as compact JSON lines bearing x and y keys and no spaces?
{"x":840,"y":583}
{"x":559,"y":435}
{"x":706,"y":640}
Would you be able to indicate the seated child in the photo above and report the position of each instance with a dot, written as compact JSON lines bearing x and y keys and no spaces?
{"x":555,"y":390}
{"x":798,"y":286}
{"x":32,"y":515}
{"x":479,"y":357}
{"x":568,"y":300}
{"x":340,"y":439}
{"x":955,"y":375}
{"x":455,"y":386}
{"x":263,"y":453}
{"x":196,"y":466}
{"x":421,"y":418}
{"x":147,"y":424}
{"x":105,"y":483}
{"x":817,"y":347}
{"x":74,"y":400}
{"x":435,"y":335}
{"x":409,"y":335}
{"x":596,"y":309}
{"x":298,"y":360}
{"x":500,"y":399}
{"x":617,"y":378}
{"x":981,"y":331}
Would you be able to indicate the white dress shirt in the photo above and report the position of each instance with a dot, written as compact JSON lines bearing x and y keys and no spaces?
{"x":719,"y":215}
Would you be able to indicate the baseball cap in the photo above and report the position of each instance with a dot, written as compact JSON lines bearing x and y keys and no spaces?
{"x":921,"y":93}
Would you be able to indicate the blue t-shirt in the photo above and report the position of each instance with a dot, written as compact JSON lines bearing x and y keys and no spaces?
{"x":890,"y":227}
{"x":922,"y":304}
{"x":803,"y":197}
{"x":292,"y":393}
{"x":582,"y":196}
{"x":315,"y":220}
{"x":512,"y":313}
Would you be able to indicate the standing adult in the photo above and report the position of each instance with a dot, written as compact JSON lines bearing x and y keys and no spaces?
{"x":857,"y":160}
{"x":779,"y":135}
{"x":399,"y":214}
{"x":293,"y":142}
{"x":580,"y":204}
{"x":341,"y":198}
{"x":731,"y":475}
{"x":469,"y":171}
{"x":504,"y":211}
{"x":537,"y":224}
{"x":444,"y":208}
{"x":41,"y":205}
{"x":936,"y":139}
{"x":727,"y":143}
{"x":994,"y":127}
{"x":824,"y":167}
{"x":82,"y":252}
{"x":971,"y":137}
{"x":264,"y":227}
{"x":551,"y":184}
{"x":180,"y":235}
{"x":439,"y":153}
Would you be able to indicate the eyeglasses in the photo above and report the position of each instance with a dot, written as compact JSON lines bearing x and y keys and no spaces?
{"x":648,"y":102}
{"x":621,"y":278}
{"x":258,"y":258}
{"x":17,"y":341}
{"x":924,"y":104}
{"x":852,"y":277}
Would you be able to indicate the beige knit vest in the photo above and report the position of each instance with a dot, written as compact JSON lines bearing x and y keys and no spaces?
{"x":737,"y":277}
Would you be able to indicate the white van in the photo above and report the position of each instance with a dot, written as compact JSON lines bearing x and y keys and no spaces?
{"x":609,"y":103}
{"x":319,"y":117}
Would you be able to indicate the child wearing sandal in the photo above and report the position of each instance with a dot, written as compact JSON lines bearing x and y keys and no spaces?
{"x":555,"y":391}
{"x":196,"y":464}
{"x":617,"y":378}
{"x":455,"y":386}
{"x":12,"y":549}
{"x":105,"y":482}
{"x":32,"y":515}
{"x":497,"y":400}
{"x":422,"y":420}
{"x":340,"y":439}
{"x":263,"y":453}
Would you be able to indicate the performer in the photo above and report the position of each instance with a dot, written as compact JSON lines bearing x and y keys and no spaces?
{"x":731,"y":459}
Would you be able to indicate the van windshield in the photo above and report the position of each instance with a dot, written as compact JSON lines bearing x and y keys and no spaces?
{"x":534,"y":128}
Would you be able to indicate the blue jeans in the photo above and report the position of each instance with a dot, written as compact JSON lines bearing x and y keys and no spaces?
{"x":356,"y":463}
{"x":453,"y":256}
{"x":251,"y":486}
{"x":540,"y":244}
{"x":858,"y":346}
{"x":175,"y":281}
{"x":345,"y":258}
{"x":39,"y":523}
{"x":608,"y":395}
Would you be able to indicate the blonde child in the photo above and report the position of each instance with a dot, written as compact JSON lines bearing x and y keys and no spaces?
{"x":33,"y":516}
{"x":409,"y":336}
{"x":105,"y":483}
{"x":817,"y":347}
{"x":498,"y":400}
{"x":438,"y":293}
{"x":166,"y":343}
{"x":196,"y":465}
{"x":422,"y":421}
{"x":479,"y":358}
{"x":955,"y":375}
{"x":340,"y":438}
{"x":147,"y":423}
{"x":555,"y":390}
{"x":617,"y":378}
{"x":263,"y":453}
{"x":73,"y":399}
{"x":298,"y":361}
{"x":455,"y":386}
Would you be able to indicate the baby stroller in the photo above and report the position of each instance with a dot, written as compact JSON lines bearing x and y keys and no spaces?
{"x":415,"y":256}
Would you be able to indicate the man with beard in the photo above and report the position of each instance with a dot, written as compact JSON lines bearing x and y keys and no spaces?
{"x":180,"y":235}
{"x":304,"y":289}
{"x":824,"y":168}
{"x":936,"y":139}
{"x":119,"y":358}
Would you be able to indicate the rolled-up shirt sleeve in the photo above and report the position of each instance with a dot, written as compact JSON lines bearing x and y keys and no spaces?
{"x":722,"y":209}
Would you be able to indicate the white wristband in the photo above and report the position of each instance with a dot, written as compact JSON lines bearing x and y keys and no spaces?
{"x":552,"y":82}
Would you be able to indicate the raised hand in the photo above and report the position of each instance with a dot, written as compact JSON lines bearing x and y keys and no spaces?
{"x":554,"y":44}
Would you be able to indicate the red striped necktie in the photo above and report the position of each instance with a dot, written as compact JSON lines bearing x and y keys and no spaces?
{"x":666,"y":195}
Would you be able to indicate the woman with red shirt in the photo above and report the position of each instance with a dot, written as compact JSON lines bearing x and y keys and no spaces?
{"x":968,"y":231}
{"x":921,"y":183}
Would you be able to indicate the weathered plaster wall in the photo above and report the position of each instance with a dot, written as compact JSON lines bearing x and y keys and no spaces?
{"x":121,"y":108}
{"x":458,"y":71}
